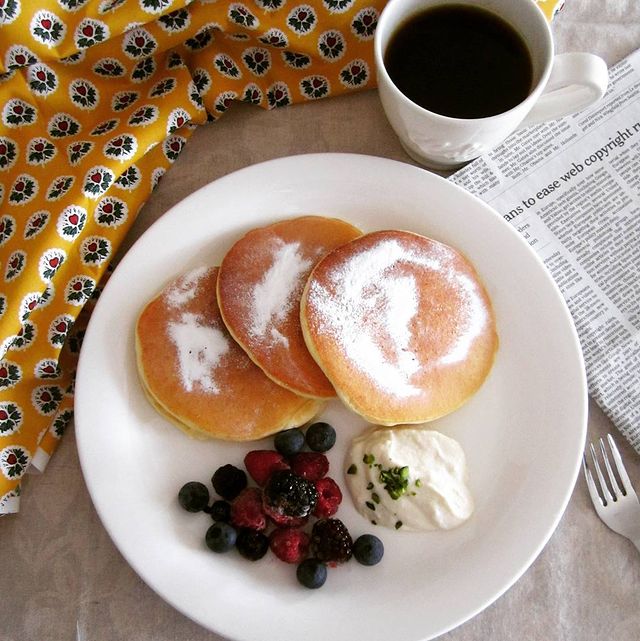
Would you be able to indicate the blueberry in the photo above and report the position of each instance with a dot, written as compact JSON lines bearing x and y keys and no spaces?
{"x":321,"y":437}
{"x":368,"y":549}
{"x":220,"y":511}
{"x":312,"y":573}
{"x":289,"y":442}
{"x":193,"y":496}
{"x":221,"y":537}
{"x":251,"y":544}
{"x":228,"y":481}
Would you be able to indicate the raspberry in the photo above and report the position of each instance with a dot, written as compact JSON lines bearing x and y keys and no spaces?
{"x":246,"y":510}
{"x":282,"y":520}
{"x":289,"y":499}
{"x":310,"y":465}
{"x":331,"y":541}
{"x":289,"y":545}
{"x":261,"y":464}
{"x":329,"y":498}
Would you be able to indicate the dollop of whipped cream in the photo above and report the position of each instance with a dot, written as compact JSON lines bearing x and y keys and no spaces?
{"x":409,"y":477}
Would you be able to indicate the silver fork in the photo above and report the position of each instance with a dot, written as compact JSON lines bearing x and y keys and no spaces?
{"x":616,"y":502}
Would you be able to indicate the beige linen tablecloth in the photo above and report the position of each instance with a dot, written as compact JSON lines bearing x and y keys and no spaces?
{"x":61,"y":576}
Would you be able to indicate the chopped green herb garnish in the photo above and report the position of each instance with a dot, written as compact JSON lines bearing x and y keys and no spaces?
{"x":353,"y":469}
{"x":368,"y":459}
{"x":395,"y":481}
{"x":375,"y":497}
{"x":398,"y":525}
{"x":418,"y":483}
{"x":370,"y":505}
{"x":369,"y":485}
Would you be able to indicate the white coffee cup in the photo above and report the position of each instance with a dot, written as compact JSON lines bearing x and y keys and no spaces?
{"x":562,"y":84}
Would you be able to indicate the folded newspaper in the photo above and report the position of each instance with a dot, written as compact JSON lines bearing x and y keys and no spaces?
{"x":571,"y":187}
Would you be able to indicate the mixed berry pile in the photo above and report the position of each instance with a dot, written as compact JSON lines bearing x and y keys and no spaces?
{"x":289,"y":510}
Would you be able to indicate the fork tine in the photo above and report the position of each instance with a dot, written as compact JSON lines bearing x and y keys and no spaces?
{"x":603,"y":485}
{"x":591,"y":484}
{"x":622,"y":472}
{"x":613,"y":483}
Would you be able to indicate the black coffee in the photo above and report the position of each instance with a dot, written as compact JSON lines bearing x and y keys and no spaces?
{"x":460,"y":61}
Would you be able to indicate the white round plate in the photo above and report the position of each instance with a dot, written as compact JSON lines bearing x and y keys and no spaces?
{"x":523,"y":433}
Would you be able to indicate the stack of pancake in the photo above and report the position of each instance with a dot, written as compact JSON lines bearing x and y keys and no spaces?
{"x":399,"y":326}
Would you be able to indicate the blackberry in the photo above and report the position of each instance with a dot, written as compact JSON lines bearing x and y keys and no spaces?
{"x":320,"y":437}
{"x":331,"y":541}
{"x":193,"y":496}
{"x":228,"y":481}
{"x":251,"y":544}
{"x":289,"y":495}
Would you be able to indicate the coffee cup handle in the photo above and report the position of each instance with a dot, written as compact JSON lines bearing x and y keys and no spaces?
{"x":577,"y":80}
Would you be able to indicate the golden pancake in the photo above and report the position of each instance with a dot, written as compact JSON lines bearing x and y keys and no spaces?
{"x":196,"y":374}
{"x":259,"y":287}
{"x":169,"y":417}
{"x":401,"y":325}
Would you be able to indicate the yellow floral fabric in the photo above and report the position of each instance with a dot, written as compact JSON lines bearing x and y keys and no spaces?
{"x":97,"y":99}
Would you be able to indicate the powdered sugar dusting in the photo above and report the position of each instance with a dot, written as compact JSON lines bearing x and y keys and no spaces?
{"x":200,"y":349}
{"x":278,"y":338}
{"x":475,"y":321}
{"x":273,"y":296}
{"x":375,"y":306}
{"x":401,"y":306}
{"x":184,"y":288}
